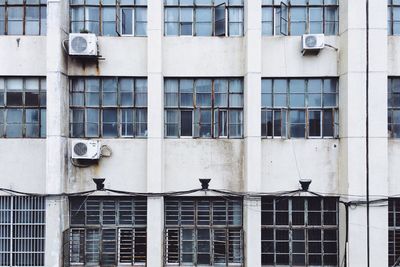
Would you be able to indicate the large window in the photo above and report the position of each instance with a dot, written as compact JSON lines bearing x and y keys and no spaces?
{"x":109,"y":17}
{"x":108,"y":107}
{"x":299,"y":108}
{"x":22,"y":231}
{"x":22,"y":107}
{"x":203,"y":17}
{"x":394,"y":233}
{"x":203,"y":231}
{"x":394,"y":107}
{"x":206,"y":108}
{"x":297,"y":17}
{"x":393,"y":17}
{"x":299,"y":231}
{"x":106,"y":231}
{"x":23,"y":17}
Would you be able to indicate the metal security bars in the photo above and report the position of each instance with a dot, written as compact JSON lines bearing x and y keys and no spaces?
{"x":22,"y":231}
{"x":394,"y":233}
{"x":109,"y":17}
{"x":205,"y":108}
{"x":203,"y":231}
{"x":108,"y":107}
{"x":394,"y":107}
{"x":300,"y":108}
{"x":106,"y":231}
{"x":299,"y":231}
{"x":22,"y":107}
{"x":203,"y":17}
{"x":23,"y":17}
{"x":297,"y":17}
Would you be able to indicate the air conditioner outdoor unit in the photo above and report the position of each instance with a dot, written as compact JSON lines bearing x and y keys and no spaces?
{"x":313,"y":43}
{"x":86,"y":149}
{"x":83,"y":44}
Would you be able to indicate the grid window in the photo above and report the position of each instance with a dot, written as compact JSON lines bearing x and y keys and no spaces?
{"x":299,"y":231}
{"x":297,"y":17}
{"x":394,"y":107}
{"x":393,"y":17}
{"x":203,"y":17}
{"x":106,"y":231}
{"x":299,"y":108}
{"x":23,"y":17}
{"x":205,"y":108}
{"x":108,"y":107}
{"x":109,"y":17}
{"x":22,"y":107}
{"x":394,"y":232}
{"x":22,"y":231}
{"x":203,"y":231}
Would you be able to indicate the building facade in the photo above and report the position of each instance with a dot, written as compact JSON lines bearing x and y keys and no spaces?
{"x":200,"y":89}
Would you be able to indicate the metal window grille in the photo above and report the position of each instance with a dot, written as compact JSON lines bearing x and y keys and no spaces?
{"x":106,"y":231}
{"x":22,"y":231}
{"x":300,"y":108}
{"x":203,"y":231}
{"x":299,"y":231}
{"x":212,"y":18}
{"x":23,"y":17}
{"x":281,"y":17}
{"x":108,"y":107}
{"x":203,"y":108}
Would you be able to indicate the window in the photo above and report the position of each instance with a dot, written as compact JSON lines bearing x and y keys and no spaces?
{"x":298,"y":17}
{"x":203,"y":231}
{"x":299,"y":231}
{"x":22,"y":107}
{"x":106,"y":231}
{"x":393,"y":17}
{"x":394,"y":107}
{"x":22,"y":228}
{"x":299,"y":108}
{"x":108,"y":107}
{"x":203,"y":17}
{"x":394,"y":233}
{"x":109,"y":17}
{"x":206,"y":108}
{"x":18,"y":17}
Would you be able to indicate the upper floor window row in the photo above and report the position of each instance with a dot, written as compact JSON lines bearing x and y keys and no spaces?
{"x":109,"y":17}
{"x":393,"y":17}
{"x":297,"y":17}
{"x":22,"y":107}
{"x":23,"y":17}
{"x":203,"y":17}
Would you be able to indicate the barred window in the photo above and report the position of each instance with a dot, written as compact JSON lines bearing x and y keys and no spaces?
{"x":109,"y":17}
{"x":299,"y":231}
{"x":203,"y":231}
{"x":203,"y":17}
{"x":18,"y":17}
{"x":394,"y":107}
{"x":297,"y":17}
{"x":299,"y":108}
{"x":22,"y":231}
{"x":22,"y":107}
{"x":106,"y":231}
{"x":206,"y":108}
{"x":393,"y":17}
{"x":108,"y":107}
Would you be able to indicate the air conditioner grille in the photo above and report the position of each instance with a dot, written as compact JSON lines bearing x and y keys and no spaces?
{"x":311,"y":41}
{"x":79,"y":44}
{"x":80,"y":149}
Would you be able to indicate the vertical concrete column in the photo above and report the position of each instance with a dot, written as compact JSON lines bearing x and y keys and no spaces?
{"x":57,"y":128}
{"x":252,"y":132}
{"x":155,"y":166}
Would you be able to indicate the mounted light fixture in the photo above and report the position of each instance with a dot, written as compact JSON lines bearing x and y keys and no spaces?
{"x":204,"y":183}
{"x":99,"y":183}
{"x":305,"y":184}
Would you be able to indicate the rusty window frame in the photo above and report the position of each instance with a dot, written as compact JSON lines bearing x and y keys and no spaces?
{"x":138,"y":106}
{"x":222,"y":218}
{"x":274,"y":6}
{"x":285,"y":109}
{"x":196,"y":109}
{"x":24,"y":106}
{"x":294,"y":220}
{"x":24,"y":4}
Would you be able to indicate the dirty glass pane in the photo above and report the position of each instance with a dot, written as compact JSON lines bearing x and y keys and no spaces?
{"x":110,"y":95}
{"x":108,"y":21}
{"x":32,"y":123}
{"x":14,"y":123}
{"x":15,"y":20}
{"x":92,"y":122}
{"x":110,"y":120}
{"x":203,"y":93}
{"x":203,"y":25}
{"x":127,"y":122}
{"x":186,"y":123}
{"x":127,"y":21}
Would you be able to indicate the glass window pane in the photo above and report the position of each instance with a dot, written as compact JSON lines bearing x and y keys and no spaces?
{"x":127,"y":122}
{"x":110,"y":120}
{"x":314,"y":123}
{"x":92,"y":123}
{"x":14,"y":123}
{"x":141,"y":122}
{"x":127,"y":21}
{"x":203,"y":92}
{"x":110,"y":92}
{"x":186,"y":123}
{"x":171,"y":123}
